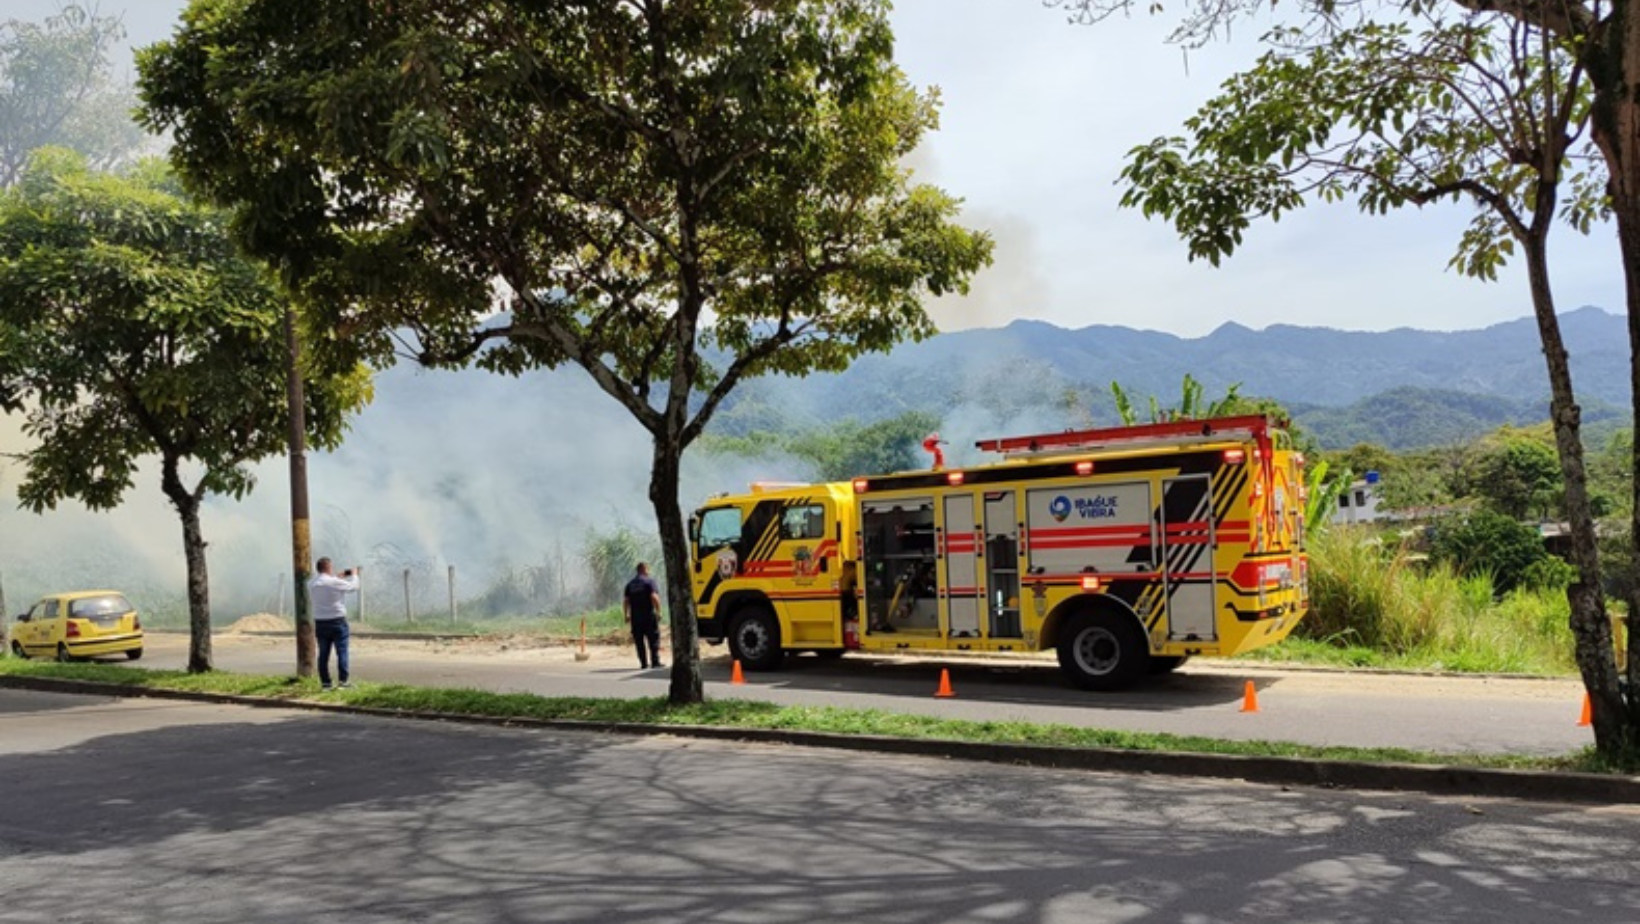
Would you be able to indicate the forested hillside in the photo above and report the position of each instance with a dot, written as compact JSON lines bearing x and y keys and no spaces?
{"x":1401,"y":388}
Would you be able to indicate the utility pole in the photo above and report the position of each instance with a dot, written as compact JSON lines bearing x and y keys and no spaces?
{"x":300,"y":529}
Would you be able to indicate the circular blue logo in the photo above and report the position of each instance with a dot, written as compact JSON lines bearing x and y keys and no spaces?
{"x":1060,"y":508}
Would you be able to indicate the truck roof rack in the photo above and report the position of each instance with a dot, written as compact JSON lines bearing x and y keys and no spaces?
{"x":1173,"y":432}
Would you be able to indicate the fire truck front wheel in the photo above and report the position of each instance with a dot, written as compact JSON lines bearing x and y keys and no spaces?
{"x":754,"y":638}
{"x":1103,"y":651}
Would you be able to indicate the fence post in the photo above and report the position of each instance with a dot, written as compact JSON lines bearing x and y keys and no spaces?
{"x":452,"y":595}
{"x":359,"y":574}
{"x":408,"y":616}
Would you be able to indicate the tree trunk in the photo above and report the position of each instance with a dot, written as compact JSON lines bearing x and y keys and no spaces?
{"x":1615,"y":128}
{"x":1591,"y":630}
{"x":301,"y":540}
{"x":187,"y":504}
{"x":663,"y":494}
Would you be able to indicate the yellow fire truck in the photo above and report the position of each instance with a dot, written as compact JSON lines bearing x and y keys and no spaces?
{"x":1125,"y":549}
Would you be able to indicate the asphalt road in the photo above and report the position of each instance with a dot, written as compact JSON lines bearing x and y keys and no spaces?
{"x":144,"y":811}
{"x":1445,"y":714}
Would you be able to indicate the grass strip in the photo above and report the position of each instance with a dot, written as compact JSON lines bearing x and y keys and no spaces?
{"x":760,"y":715}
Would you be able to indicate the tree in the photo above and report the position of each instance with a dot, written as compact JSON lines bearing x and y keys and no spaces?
{"x":56,"y":89}
{"x":1486,"y":542}
{"x":1512,"y":107}
{"x":1516,"y":475}
{"x":1191,"y":404}
{"x":130,"y":328}
{"x":638,"y":185}
{"x":850,"y":448}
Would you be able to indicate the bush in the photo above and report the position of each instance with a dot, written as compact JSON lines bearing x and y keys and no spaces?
{"x":1549,"y":573}
{"x":1490,"y":543}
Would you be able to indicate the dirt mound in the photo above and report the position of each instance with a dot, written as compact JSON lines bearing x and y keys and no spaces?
{"x":262,"y":622}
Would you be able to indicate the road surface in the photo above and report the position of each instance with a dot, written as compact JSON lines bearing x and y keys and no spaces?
{"x":142,"y":811}
{"x":1445,"y":714}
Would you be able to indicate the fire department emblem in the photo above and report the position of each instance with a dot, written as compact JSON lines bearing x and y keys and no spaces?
{"x":727,"y":563}
{"x":1060,"y":508}
{"x":804,"y":562}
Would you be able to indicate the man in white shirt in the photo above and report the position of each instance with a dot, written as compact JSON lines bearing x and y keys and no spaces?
{"x":328,"y":594}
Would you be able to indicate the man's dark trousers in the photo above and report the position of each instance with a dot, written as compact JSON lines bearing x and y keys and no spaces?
{"x":647,"y":629}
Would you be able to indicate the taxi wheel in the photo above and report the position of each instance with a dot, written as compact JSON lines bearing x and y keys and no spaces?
{"x":17,"y":649}
{"x":133,"y":654}
{"x":63,"y":657}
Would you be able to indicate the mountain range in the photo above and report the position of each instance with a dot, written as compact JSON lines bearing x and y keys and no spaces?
{"x":1402,"y":388}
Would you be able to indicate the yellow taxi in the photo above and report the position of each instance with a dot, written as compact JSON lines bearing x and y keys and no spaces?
{"x":84,"y":624}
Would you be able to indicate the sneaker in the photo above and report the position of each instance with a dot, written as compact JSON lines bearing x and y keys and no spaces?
{"x":324,"y":688}
{"x":643,"y":666}
{"x":344,"y":685}
{"x":658,"y":666}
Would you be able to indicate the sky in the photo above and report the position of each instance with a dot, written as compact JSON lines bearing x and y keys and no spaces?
{"x":1037,"y":117}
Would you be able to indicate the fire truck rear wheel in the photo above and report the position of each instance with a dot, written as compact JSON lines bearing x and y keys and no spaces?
{"x":1103,"y":651}
{"x":754,"y":638}
{"x":1166,"y":664}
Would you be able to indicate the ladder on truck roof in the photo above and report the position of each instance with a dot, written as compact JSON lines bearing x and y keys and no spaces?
{"x":1171,"y":433}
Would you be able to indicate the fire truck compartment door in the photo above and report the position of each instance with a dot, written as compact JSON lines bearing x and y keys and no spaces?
{"x":1187,"y":557}
{"x":1091,"y":529}
{"x":960,"y":590}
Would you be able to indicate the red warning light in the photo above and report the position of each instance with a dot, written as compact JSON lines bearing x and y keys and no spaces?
{"x":1235,"y":456}
{"x":1084,"y":468}
{"x":861,"y":485}
{"x":953,"y":478}
{"x":1091,"y":582}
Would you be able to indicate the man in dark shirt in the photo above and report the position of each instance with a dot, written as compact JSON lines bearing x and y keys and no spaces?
{"x":642,"y":604}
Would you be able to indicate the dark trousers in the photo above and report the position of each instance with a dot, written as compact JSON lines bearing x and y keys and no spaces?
{"x":331,"y":633}
{"x":647,"y":632}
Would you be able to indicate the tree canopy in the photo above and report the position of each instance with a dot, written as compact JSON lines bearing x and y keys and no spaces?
{"x":1523,"y":109}
{"x":56,"y":88}
{"x":623,"y":185}
{"x":131,"y":328}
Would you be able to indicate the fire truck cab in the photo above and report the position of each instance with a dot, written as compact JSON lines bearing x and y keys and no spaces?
{"x":1125,"y":550}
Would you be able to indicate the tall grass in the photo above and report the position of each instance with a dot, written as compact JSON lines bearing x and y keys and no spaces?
{"x":1370,"y":592}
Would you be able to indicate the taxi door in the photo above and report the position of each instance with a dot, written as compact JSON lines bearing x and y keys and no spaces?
{"x":41,"y":630}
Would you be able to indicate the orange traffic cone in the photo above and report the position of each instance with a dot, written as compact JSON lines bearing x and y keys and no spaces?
{"x":944,"y":692}
{"x":1587,"y":718}
{"x":735,"y":676}
{"x":1249,"y":698}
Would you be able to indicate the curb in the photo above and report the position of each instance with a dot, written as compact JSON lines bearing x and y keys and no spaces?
{"x":1217,"y":665}
{"x":1282,"y":771}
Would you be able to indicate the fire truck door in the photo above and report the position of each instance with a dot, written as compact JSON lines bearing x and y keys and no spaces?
{"x":1187,"y":557}
{"x":959,"y":585}
{"x":1002,"y":563}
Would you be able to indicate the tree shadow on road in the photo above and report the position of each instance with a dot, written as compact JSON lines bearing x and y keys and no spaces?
{"x":334,"y":818}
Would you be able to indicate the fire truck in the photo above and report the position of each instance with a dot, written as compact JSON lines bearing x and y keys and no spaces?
{"x":1126,"y":550}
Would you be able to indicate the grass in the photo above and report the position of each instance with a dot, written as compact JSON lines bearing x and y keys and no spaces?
{"x":600,"y":624}
{"x":758,"y":715}
{"x":1374,"y":604}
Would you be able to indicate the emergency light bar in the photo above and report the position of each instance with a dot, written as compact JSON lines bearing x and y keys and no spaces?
{"x":1180,"y":432}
